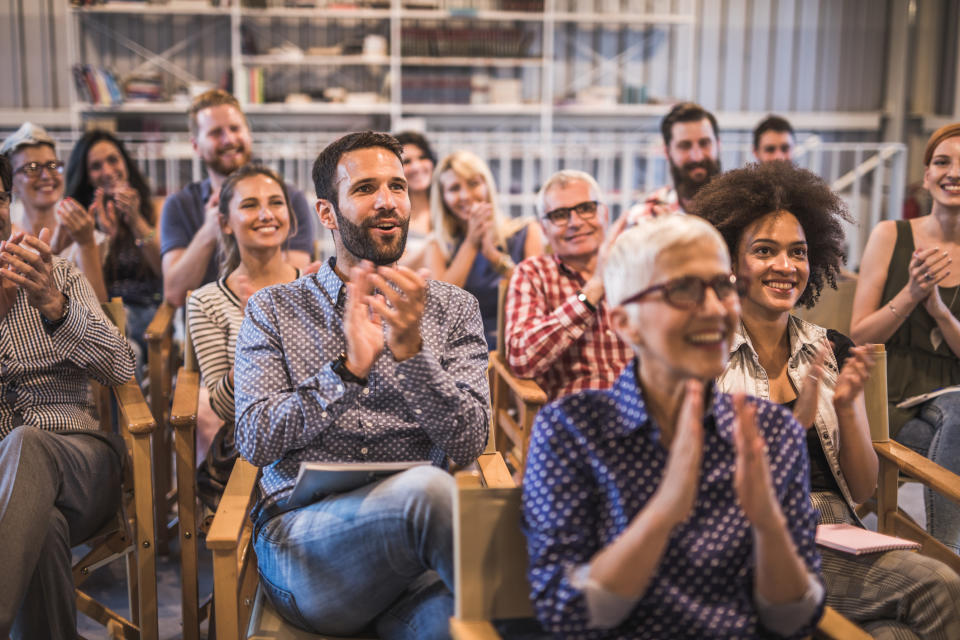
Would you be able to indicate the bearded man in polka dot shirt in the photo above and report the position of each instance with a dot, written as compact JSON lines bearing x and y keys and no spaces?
{"x":662,"y":508}
{"x":362,"y":361}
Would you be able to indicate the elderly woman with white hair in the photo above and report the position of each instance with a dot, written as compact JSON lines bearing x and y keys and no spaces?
{"x":662,"y":507}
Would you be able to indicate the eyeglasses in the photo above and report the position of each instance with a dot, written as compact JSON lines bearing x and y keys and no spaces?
{"x":33,"y":169}
{"x":689,"y":292}
{"x":561,"y":215}
{"x":5,"y":198}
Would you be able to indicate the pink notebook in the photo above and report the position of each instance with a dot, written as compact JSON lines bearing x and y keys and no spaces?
{"x":851,"y":539}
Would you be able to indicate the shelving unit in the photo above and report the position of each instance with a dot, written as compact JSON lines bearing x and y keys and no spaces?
{"x":430,"y":66}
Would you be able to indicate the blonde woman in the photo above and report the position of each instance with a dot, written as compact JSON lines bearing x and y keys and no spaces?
{"x":473,"y":246}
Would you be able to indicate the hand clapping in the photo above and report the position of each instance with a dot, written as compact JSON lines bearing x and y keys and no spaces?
{"x":32,"y":270}
{"x":398,"y":307}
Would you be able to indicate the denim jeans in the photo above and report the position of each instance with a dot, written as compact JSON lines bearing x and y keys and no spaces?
{"x":379,"y":558}
{"x":935,"y":433}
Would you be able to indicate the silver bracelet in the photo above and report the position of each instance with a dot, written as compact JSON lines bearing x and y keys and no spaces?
{"x":893,"y":310}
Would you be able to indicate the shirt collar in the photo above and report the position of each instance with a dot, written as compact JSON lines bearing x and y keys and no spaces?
{"x":633,"y":415}
{"x":206,"y":188}
{"x":800,"y":332}
{"x":330,"y":282}
{"x":566,"y":270}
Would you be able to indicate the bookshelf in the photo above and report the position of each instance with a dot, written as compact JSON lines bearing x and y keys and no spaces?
{"x":499,"y":62}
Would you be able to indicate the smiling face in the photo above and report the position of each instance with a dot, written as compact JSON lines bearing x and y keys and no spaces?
{"x":259,"y":217}
{"x":772,"y":262}
{"x":43,"y":190}
{"x":693,"y":156}
{"x":461,"y":193}
{"x":223,"y":139}
{"x":774,"y":145}
{"x":417,"y":167}
{"x":942,"y":176}
{"x":676,"y":344}
{"x":579,"y":237}
{"x":105,"y":166}
{"x":371,"y":220}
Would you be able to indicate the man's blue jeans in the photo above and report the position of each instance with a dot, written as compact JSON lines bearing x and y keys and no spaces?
{"x":935,"y":433}
{"x":379,"y":558}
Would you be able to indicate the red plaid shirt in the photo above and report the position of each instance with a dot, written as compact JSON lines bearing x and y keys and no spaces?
{"x":552,"y":337}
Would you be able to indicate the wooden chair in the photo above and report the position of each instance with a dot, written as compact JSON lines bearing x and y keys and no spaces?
{"x":514,"y":401}
{"x":241,"y":609}
{"x":131,"y":533}
{"x":490,"y":556}
{"x":897,"y":463}
{"x":183,"y":421}
{"x":161,"y":363}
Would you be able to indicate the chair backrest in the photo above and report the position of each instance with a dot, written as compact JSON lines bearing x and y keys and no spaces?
{"x":490,"y":552}
{"x":835,"y":306}
{"x":875,"y":396}
{"x":502,"y":289}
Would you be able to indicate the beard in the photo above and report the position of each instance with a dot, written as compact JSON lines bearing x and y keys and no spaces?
{"x":218,"y":165}
{"x":358,"y":239}
{"x":686,"y":186}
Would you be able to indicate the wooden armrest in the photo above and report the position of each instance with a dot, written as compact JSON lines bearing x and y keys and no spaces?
{"x":134,"y":408}
{"x":835,"y":627}
{"x":161,"y":323}
{"x":473,"y":630}
{"x":920,"y":468}
{"x":186,"y":399}
{"x":527,"y":390}
{"x":494,"y":471}
{"x":227,"y":527}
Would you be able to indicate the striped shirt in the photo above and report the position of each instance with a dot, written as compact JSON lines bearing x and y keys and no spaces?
{"x":553,"y":337}
{"x":215,"y":313}
{"x":43,"y":373}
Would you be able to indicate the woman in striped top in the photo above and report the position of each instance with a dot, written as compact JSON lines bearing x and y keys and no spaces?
{"x":255,"y":223}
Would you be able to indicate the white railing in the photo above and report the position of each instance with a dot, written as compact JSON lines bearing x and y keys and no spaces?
{"x":869,"y":176}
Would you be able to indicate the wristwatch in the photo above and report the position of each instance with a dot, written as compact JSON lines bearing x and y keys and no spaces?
{"x":582,"y":297}
{"x":340,"y":368}
{"x":53,"y":325}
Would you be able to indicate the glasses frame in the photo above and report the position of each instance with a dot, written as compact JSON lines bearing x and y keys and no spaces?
{"x":34,"y":169}
{"x":665,"y":287}
{"x":570,"y":210}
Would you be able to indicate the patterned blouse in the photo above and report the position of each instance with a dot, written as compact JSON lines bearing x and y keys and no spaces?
{"x":595,"y":461}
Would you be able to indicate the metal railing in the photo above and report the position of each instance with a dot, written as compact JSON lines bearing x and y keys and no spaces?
{"x":869,"y":176}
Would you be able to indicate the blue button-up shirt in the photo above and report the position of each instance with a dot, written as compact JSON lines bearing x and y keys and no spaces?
{"x":595,"y":461}
{"x":292,"y":407}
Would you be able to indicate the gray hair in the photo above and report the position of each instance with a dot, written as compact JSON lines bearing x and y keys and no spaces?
{"x":629,"y":267}
{"x":562,"y":179}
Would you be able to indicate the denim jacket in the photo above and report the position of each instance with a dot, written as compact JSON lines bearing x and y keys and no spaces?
{"x":744,"y":373}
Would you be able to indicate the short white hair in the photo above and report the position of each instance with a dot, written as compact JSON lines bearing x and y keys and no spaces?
{"x":562,"y":179}
{"x":629,"y":267}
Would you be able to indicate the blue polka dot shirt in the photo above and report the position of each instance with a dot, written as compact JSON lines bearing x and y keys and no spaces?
{"x":292,"y":407}
{"x":595,"y":460}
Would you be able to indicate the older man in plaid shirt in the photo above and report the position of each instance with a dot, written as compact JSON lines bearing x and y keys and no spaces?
{"x":557,"y":328}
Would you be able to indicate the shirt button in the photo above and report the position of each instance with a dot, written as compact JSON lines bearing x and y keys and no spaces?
{"x":417,"y":411}
{"x":366,"y":391}
{"x":340,"y":388}
{"x":323,"y":415}
{"x":400,"y":376}
{"x":363,"y":451}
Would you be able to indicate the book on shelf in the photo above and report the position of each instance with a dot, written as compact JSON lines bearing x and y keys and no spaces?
{"x":858,"y":541}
